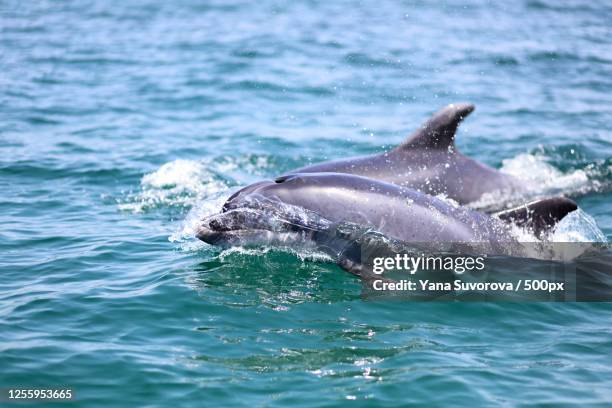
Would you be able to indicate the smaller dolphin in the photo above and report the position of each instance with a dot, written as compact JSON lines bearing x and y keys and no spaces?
{"x":428,"y":161}
{"x":313,"y":207}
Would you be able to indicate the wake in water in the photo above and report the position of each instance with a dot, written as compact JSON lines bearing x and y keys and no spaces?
{"x":542,"y":178}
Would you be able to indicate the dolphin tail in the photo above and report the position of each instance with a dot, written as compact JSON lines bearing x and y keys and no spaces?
{"x":540,"y":215}
{"x":439,"y":131}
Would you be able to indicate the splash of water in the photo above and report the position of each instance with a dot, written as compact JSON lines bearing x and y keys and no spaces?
{"x":302,"y":253}
{"x":578,"y":226}
{"x":542,"y":179}
{"x":543,"y":176}
{"x":180,"y":183}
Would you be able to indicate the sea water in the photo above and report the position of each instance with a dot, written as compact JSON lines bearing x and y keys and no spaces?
{"x":123,"y":123}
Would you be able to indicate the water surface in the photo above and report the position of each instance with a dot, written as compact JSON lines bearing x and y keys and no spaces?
{"x":122,"y":123}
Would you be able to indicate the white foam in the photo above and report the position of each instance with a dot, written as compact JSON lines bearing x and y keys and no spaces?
{"x":542,"y":176}
{"x":182,"y":174}
{"x":177,"y":183}
{"x":302,"y":253}
{"x":540,"y":179}
{"x":243,"y":251}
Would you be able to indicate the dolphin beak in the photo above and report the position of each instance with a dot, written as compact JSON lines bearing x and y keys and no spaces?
{"x":231,"y":228}
{"x":247,"y":226}
{"x":217,"y":229}
{"x":208,"y":235}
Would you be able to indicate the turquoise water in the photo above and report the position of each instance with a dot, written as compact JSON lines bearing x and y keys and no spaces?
{"x":122,"y":123}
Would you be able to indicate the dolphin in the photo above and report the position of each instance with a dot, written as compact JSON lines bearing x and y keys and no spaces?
{"x":429,"y":161}
{"x":318,"y":207}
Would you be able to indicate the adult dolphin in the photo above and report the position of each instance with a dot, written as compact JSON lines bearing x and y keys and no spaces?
{"x":312,"y":206}
{"x":429,"y":161}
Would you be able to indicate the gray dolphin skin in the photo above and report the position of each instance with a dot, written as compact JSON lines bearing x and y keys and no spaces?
{"x":312,"y":205}
{"x":428,"y":161}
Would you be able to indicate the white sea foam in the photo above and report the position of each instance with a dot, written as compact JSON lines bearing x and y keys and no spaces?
{"x":178,"y":174}
{"x":303,"y":254}
{"x":541,"y":175}
{"x":540,"y":179}
{"x":177,"y":183}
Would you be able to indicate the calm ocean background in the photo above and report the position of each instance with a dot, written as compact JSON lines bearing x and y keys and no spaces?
{"x":123,"y":122}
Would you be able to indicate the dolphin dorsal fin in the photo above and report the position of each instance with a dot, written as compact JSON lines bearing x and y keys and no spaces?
{"x":540,"y":215}
{"x":439,"y":131}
